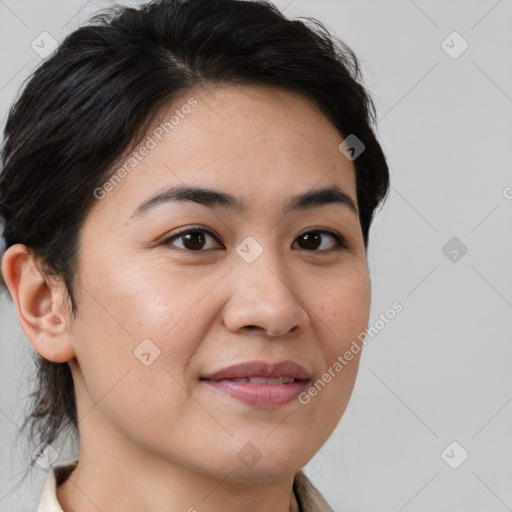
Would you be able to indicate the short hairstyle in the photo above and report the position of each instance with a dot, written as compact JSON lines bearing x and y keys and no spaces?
{"x":96,"y":96}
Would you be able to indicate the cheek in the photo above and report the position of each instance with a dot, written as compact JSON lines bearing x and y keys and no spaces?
{"x":343,"y":312}
{"x":145,"y":299}
{"x":135,"y":377}
{"x":130,"y":323}
{"x":343,"y":308}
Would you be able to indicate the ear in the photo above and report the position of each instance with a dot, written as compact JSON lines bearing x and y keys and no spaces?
{"x":40,"y":302}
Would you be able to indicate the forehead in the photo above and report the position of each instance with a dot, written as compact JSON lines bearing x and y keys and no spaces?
{"x":253,"y":141}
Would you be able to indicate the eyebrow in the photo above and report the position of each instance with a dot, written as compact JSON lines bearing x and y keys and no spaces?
{"x":217,"y":199}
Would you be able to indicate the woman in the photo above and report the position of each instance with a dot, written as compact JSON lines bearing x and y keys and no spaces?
{"x":187,"y":190}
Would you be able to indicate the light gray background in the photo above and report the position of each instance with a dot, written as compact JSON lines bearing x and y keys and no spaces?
{"x":440,"y":371}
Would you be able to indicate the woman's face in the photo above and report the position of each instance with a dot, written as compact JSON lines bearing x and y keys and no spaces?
{"x":160,"y":310}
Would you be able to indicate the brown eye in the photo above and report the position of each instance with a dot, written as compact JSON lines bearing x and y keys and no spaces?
{"x":192,"y":239}
{"x":312,"y":240}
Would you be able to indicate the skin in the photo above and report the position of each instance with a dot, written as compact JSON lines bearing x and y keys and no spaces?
{"x":156,"y":437}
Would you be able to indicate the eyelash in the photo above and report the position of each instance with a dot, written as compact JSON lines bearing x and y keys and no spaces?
{"x":340,"y":242}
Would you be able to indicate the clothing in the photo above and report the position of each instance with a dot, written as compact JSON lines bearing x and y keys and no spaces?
{"x":308,"y":497}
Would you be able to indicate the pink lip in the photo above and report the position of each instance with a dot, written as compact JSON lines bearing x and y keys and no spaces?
{"x":266,"y":396}
{"x":260,"y":369}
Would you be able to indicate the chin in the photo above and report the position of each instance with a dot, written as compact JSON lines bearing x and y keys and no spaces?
{"x":271,"y":471}
{"x":262,"y":460}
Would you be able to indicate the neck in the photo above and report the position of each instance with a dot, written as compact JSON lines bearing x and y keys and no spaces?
{"x":111,"y":475}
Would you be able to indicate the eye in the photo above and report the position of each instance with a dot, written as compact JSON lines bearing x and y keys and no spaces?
{"x":196,"y":240}
{"x":192,"y":239}
{"x":312,"y":240}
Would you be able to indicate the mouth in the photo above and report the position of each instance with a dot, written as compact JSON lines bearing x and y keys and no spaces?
{"x":260,"y":384}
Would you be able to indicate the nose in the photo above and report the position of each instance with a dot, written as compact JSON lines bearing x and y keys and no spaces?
{"x":264,"y":301}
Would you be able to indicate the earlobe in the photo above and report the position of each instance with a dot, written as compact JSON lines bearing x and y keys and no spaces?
{"x":40,"y":304}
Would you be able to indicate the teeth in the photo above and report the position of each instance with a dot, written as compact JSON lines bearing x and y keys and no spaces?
{"x":262,"y":380}
{"x":274,"y":381}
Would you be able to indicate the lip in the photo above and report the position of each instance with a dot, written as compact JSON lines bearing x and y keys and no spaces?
{"x":260,"y":369}
{"x":266,"y":396}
